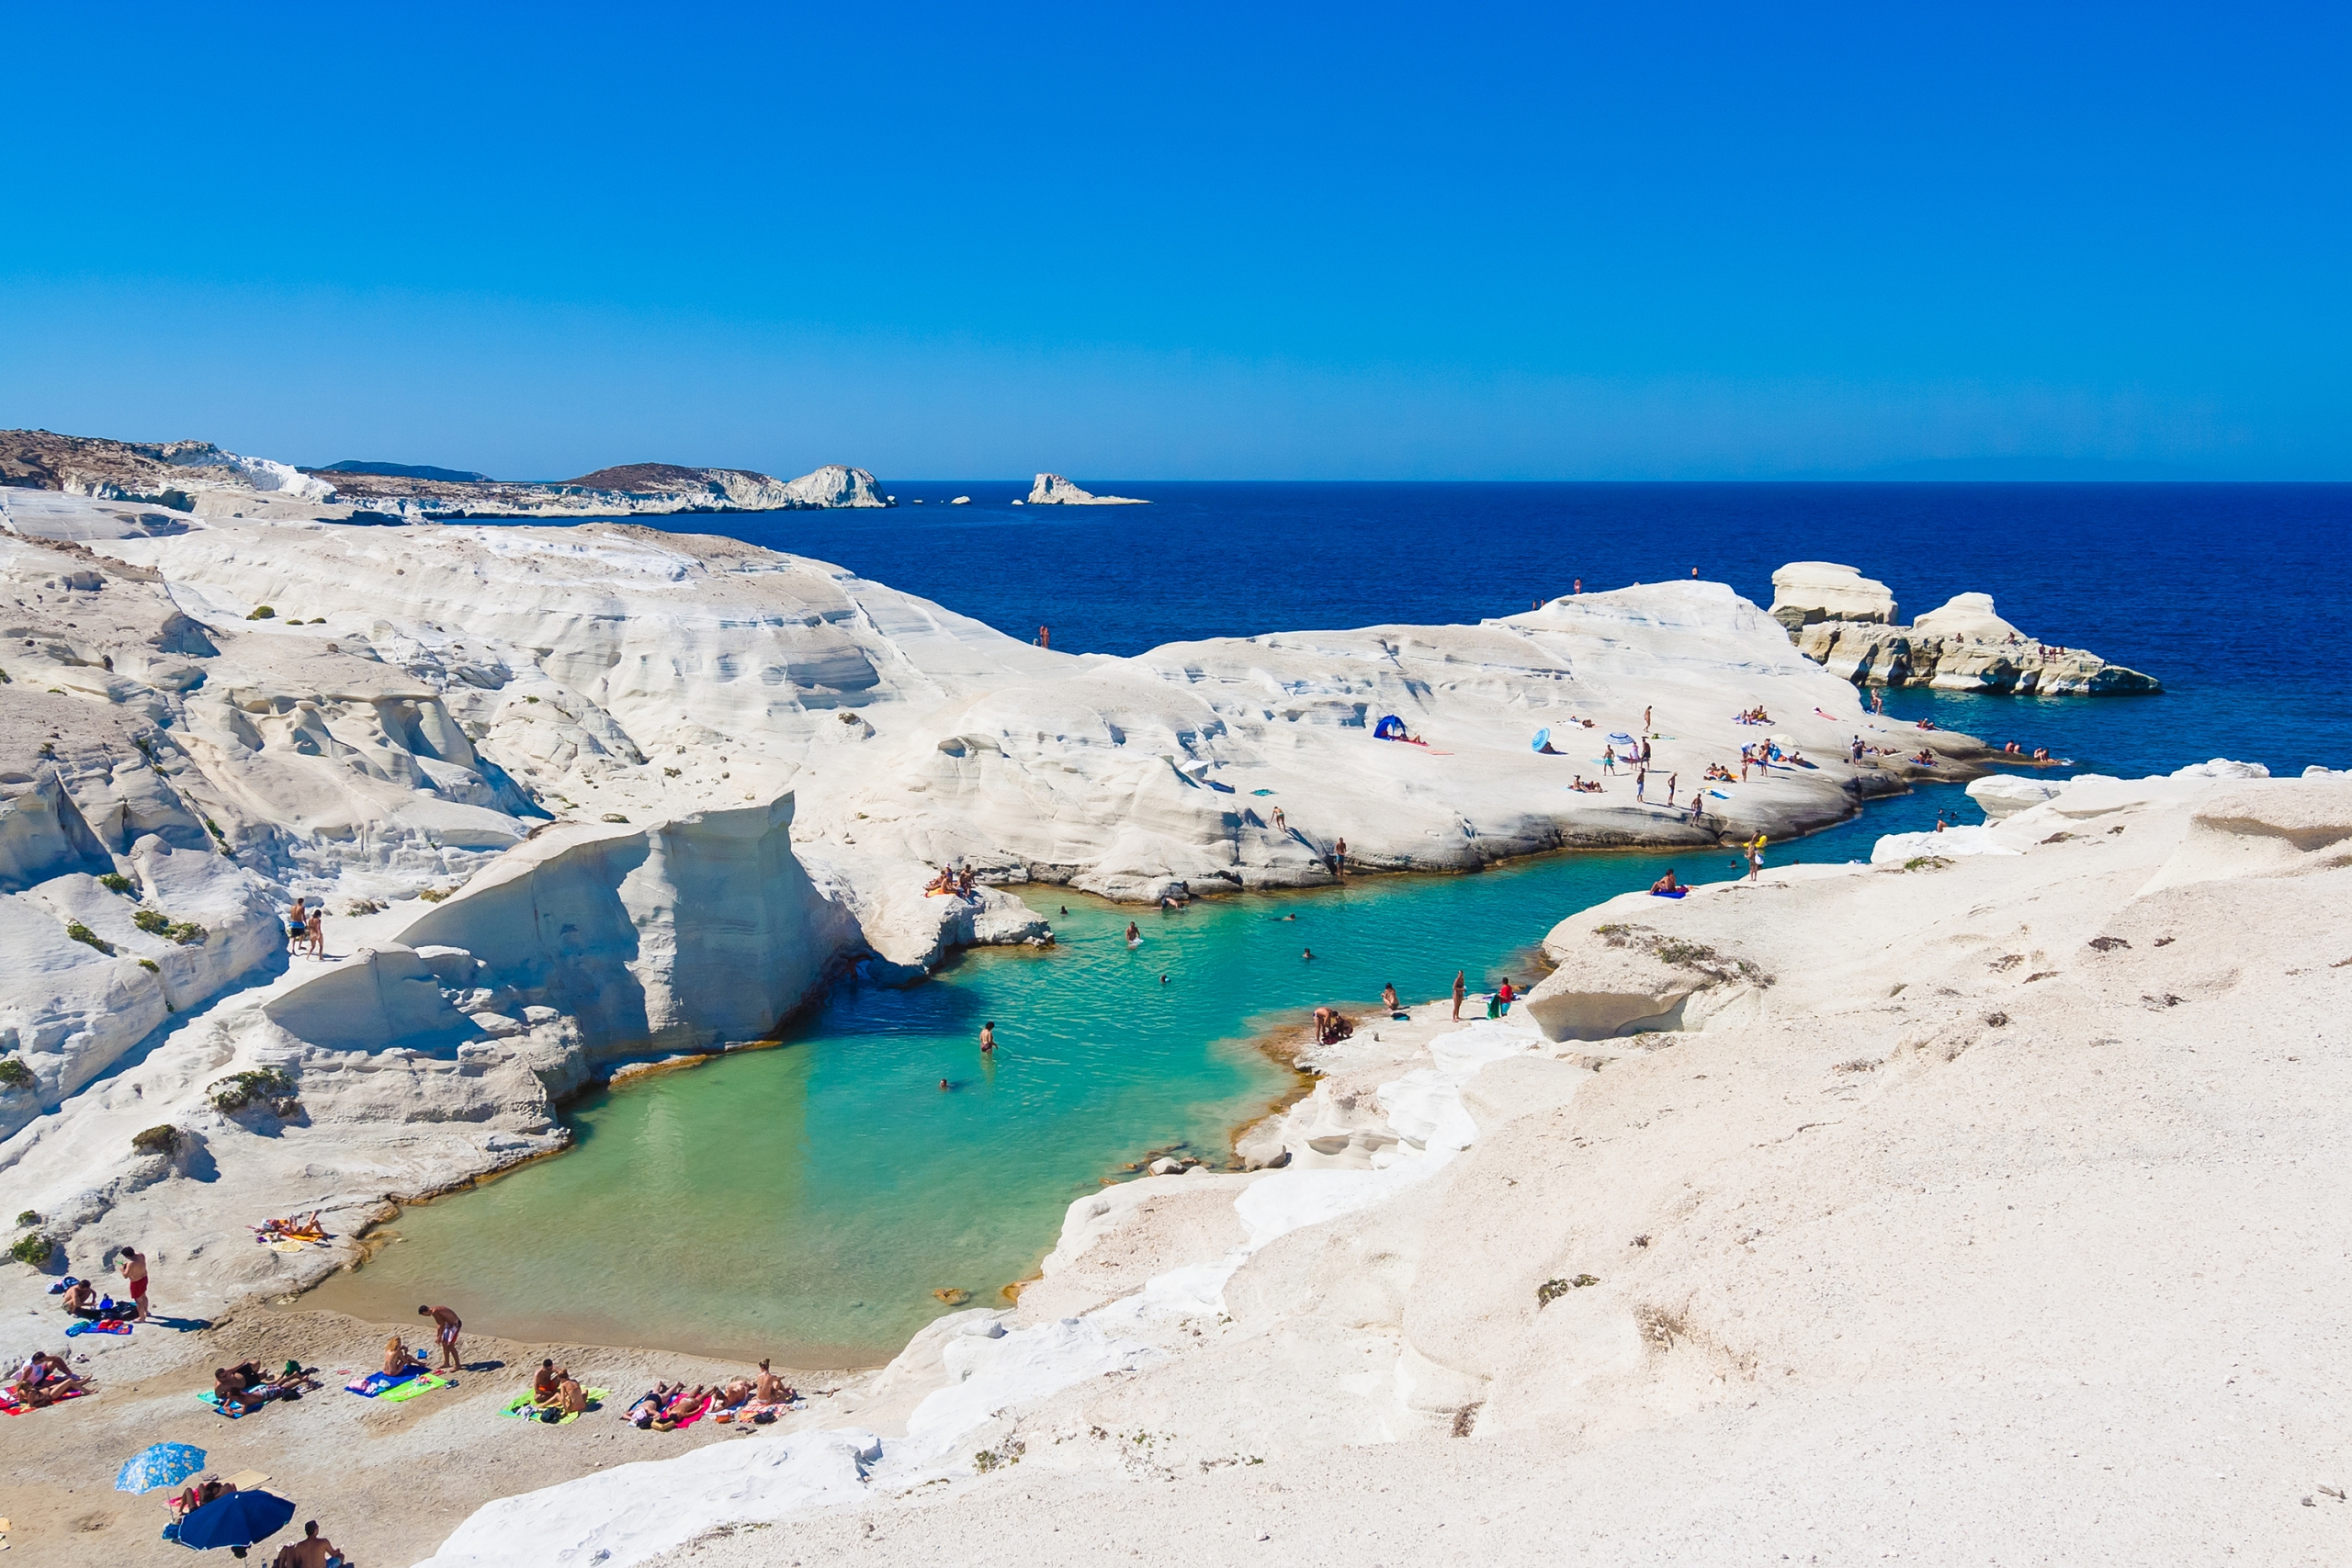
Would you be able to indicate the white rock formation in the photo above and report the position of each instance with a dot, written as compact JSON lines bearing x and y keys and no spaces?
{"x":1940,"y":1142}
{"x":752,"y":764}
{"x":1805,"y":592}
{"x":1967,"y":618}
{"x":198,"y":477}
{"x":2003,"y":796}
{"x":1961,"y":646}
{"x":1052,"y":489}
{"x":835,"y":485}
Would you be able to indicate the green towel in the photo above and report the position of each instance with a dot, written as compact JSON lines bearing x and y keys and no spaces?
{"x":413,"y":1387}
{"x":522,"y":1405}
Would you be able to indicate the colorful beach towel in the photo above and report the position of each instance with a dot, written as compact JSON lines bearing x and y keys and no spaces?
{"x":414,"y":1386}
{"x":522,"y":1404}
{"x":374,"y":1384}
{"x":213,"y":1400}
{"x":10,"y":1407}
{"x":749,"y":1414}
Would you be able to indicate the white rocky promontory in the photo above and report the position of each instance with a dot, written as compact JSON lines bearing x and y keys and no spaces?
{"x":570,"y":737}
{"x":196,"y":477}
{"x":1052,"y":489}
{"x":1986,"y":1185}
{"x":1846,"y":622}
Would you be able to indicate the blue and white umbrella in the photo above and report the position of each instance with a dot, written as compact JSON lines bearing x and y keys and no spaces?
{"x":165,"y":1464}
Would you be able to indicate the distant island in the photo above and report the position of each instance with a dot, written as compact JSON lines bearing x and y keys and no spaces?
{"x":204,"y":479}
{"x":403,"y":471}
{"x":1052,"y":489}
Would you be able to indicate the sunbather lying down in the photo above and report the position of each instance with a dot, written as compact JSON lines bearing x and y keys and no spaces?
{"x":670,"y":1406}
{"x":246,"y":1386}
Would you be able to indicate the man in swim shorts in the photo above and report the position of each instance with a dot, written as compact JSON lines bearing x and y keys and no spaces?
{"x":444,"y":1328}
{"x":134,"y":1271}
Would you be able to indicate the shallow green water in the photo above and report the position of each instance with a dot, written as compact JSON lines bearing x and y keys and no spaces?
{"x":805,"y":1201}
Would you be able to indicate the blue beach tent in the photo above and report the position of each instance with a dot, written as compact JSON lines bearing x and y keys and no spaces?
{"x":1390,"y":727}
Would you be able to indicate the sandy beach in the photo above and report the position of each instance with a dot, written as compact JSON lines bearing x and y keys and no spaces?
{"x":385,"y":1480}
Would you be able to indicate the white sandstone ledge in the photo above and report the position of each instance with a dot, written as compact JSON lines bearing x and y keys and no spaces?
{"x":1936,"y":1170}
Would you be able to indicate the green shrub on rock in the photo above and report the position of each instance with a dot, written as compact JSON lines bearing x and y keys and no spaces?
{"x":14,"y":1074}
{"x":33,"y":1249}
{"x":85,"y":935}
{"x":239,"y":1089}
{"x":163,"y":1140}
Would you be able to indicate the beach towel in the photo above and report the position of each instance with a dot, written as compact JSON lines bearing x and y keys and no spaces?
{"x":750,"y":1414}
{"x":213,"y":1400}
{"x":10,"y":1407}
{"x":681,"y":1423}
{"x":523,"y":1405}
{"x":1261,"y":792}
{"x":414,"y":1386}
{"x":1668,"y":892}
{"x":374,"y":1384}
{"x":106,"y":1326}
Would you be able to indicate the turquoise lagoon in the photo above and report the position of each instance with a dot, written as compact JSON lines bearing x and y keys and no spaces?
{"x":805,"y":1201}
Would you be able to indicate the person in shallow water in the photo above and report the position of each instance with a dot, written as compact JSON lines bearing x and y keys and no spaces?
{"x":988,"y":1037}
{"x":1135,"y":934}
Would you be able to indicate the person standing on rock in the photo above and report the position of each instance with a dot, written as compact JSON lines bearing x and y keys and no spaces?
{"x":1641,"y":783}
{"x":1579,"y":588}
{"x":1609,"y":761}
{"x":445,"y":1328}
{"x":1673,"y":781}
{"x":1460,"y":990}
{"x":1282,"y":824}
{"x":317,"y":926}
{"x":1646,"y":724}
{"x":134,"y":1274}
{"x":297,"y":926}
{"x":1044,"y":636}
{"x":1340,"y":858}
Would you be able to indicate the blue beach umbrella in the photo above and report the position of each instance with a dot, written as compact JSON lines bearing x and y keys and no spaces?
{"x":239,"y":1519}
{"x":165,"y":1464}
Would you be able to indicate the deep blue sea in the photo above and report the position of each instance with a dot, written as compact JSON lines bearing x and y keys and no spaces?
{"x":2231,"y":594}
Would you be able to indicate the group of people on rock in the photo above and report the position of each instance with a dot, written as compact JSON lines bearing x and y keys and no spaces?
{"x":2039,"y":754}
{"x":1332,"y":1026}
{"x":954,"y":884}
{"x":1753,"y":716}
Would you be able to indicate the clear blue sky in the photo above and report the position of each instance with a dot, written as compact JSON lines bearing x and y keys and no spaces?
{"x":1194,"y":241}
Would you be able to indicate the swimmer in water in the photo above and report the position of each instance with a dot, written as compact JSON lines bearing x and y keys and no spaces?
{"x":988,"y":1037}
{"x":1163,"y":979}
{"x":1306,"y":954}
{"x":1134,"y":933}
{"x":943,"y":1083}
